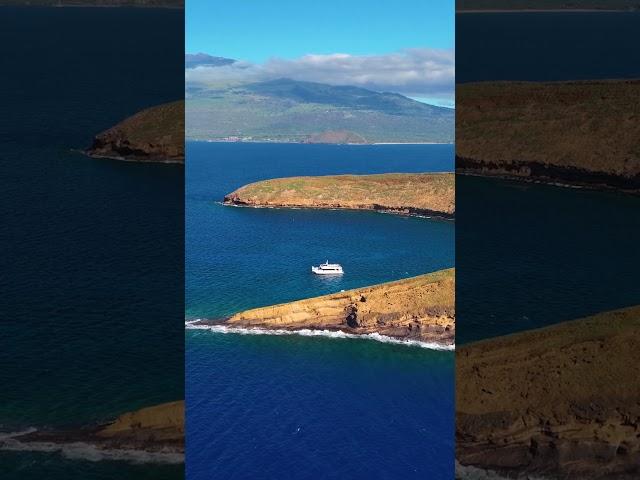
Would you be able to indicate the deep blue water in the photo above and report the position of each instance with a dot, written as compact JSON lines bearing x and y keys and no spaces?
{"x":547,"y":46}
{"x":531,"y":255}
{"x":92,"y":250}
{"x":299,"y":407}
{"x":234,"y":254}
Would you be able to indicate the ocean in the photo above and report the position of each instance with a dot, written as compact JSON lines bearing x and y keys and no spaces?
{"x":533,"y":255}
{"x":309,"y":407}
{"x":529,"y":256}
{"x":546,"y":46}
{"x":92,"y":264}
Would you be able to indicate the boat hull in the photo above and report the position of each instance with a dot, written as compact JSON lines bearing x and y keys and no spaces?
{"x":319,"y":271}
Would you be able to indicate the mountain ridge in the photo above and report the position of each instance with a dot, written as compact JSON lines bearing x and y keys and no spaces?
{"x":288,"y":110}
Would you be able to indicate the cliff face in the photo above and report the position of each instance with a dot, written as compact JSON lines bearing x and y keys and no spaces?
{"x":561,"y":402}
{"x":424,"y":194}
{"x":582,"y":133}
{"x":152,"y":135}
{"x":419,"y":308}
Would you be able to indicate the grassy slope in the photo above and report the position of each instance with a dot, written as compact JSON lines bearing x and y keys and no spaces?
{"x":558,"y":400}
{"x":292,"y":111}
{"x":420,"y":307}
{"x":591,"y":126}
{"x":414,"y":193}
{"x":154,"y":134}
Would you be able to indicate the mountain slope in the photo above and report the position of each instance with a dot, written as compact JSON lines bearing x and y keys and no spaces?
{"x":290,"y":110}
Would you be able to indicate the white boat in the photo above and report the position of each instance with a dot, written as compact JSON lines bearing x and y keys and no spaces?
{"x":327,"y":268}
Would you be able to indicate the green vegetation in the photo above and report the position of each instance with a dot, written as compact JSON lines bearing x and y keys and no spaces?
{"x":290,"y":111}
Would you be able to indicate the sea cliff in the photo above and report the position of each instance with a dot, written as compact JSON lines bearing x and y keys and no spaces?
{"x":413,"y":194}
{"x":574,"y":133}
{"x":152,"y":135}
{"x":557,"y":402}
{"x":418,"y":308}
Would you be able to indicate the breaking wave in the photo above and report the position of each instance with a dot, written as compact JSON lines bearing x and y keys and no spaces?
{"x":86,"y":451}
{"x":306,"y":332}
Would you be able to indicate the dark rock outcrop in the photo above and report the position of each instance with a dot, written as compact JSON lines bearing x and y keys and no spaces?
{"x":152,"y":135}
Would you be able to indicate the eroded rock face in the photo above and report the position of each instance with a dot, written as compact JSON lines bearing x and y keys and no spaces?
{"x":419,"y":308}
{"x":560,"y":402}
{"x":152,"y":135}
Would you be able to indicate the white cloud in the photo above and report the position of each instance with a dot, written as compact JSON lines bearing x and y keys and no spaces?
{"x":416,"y":72}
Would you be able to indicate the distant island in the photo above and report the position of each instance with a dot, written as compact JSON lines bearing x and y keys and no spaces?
{"x":556,"y":402}
{"x":546,"y":5}
{"x":582,"y":133}
{"x":152,"y":135}
{"x":419,"y":308}
{"x":428,"y":194}
{"x":286,"y":110}
{"x":156,"y":430}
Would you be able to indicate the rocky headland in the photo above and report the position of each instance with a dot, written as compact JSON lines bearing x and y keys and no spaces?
{"x":428,"y":194}
{"x":419,"y":308}
{"x":574,"y":133}
{"x":155,"y":134}
{"x":154,"y":430}
{"x":557,"y":402}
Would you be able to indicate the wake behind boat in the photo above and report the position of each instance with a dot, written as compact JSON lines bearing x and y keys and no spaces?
{"x":327,"y":268}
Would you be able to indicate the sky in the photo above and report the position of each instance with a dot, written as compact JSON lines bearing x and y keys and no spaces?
{"x":404,"y":46}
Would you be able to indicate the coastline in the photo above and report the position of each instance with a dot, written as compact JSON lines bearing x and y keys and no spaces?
{"x":406,"y":212}
{"x":217,"y":327}
{"x":421,"y":194}
{"x":416,"y":311}
{"x":149,"y":435}
{"x":131,"y":159}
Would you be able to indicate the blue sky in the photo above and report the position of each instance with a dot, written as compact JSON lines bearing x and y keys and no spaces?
{"x":406,"y":46}
{"x":255,"y":30}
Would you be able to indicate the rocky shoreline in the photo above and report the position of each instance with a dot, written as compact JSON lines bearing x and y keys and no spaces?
{"x":429,"y":195}
{"x":537,"y":172}
{"x":153,"y":135}
{"x":415,"y":309}
{"x":156,"y":431}
{"x":556,"y":402}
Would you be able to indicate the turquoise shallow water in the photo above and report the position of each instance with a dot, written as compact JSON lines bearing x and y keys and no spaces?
{"x":300,"y":407}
